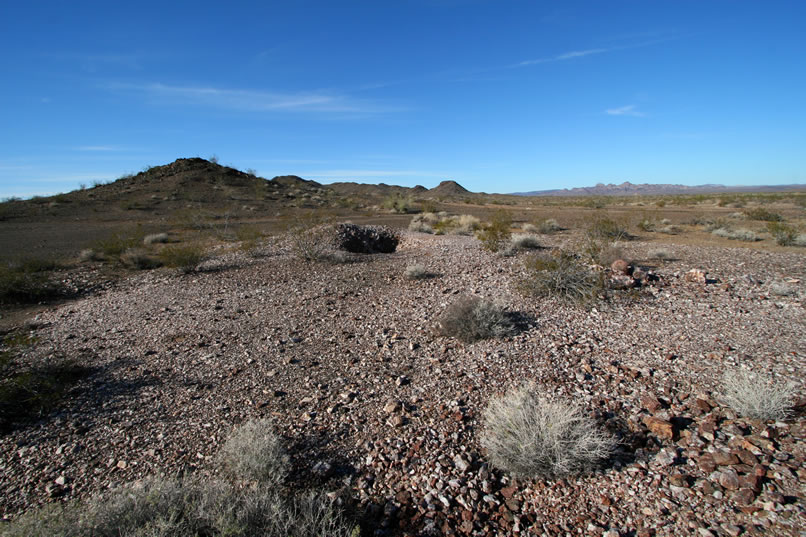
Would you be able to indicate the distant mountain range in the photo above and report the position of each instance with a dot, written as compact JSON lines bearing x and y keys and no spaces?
{"x":629,"y":189}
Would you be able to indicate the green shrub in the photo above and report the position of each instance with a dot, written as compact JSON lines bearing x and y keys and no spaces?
{"x":398,"y":204}
{"x":607,"y":228}
{"x":783,"y":234}
{"x":25,"y":283}
{"x":765,"y":215}
{"x":529,"y":435}
{"x":495,"y":234}
{"x":560,"y":275}
{"x":186,"y":258}
{"x":754,"y":395}
{"x":139,"y":260}
{"x":118,"y":243}
{"x":470,"y":319}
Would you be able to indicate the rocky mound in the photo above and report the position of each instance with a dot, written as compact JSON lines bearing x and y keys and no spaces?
{"x":449,"y":188}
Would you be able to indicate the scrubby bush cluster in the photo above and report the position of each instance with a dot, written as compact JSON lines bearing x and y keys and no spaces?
{"x":765,"y":215}
{"x":495,"y":234}
{"x":417,"y":272}
{"x":784,"y":234}
{"x":528,"y":435}
{"x":195,"y":507}
{"x":442,"y":223}
{"x":366,"y":239}
{"x":186,"y":258}
{"x":28,"y":281}
{"x":560,"y":275}
{"x":736,"y":234}
{"x":524,"y":241}
{"x":754,"y":395}
{"x":471,"y":318}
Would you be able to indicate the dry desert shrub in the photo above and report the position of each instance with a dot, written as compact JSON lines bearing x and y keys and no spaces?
{"x":255,"y":452}
{"x":661,"y":254}
{"x":736,"y":234}
{"x":530,"y":435}
{"x":754,"y":395}
{"x":549,"y":226}
{"x":524,"y":241}
{"x":417,"y":272}
{"x":560,"y":275}
{"x":495,"y":234}
{"x":784,"y":234}
{"x":185,"y":258}
{"x":470,"y":319}
{"x":155,"y":238}
{"x":194,"y":507}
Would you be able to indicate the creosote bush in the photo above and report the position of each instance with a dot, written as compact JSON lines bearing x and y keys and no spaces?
{"x":186,"y":258}
{"x":560,"y":275}
{"x":765,"y":215}
{"x":366,"y":239}
{"x":783,"y":234}
{"x":754,"y":395}
{"x":529,"y":435}
{"x":495,"y":234}
{"x":470,"y":319}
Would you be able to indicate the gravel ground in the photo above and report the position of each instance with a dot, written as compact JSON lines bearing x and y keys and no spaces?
{"x":345,"y":359}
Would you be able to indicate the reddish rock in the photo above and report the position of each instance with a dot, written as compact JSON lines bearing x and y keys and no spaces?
{"x":707,"y":429}
{"x":729,"y":479}
{"x":660,"y":428}
{"x":744,"y":496}
{"x":707,"y":463}
{"x":650,"y":403}
{"x":746,"y":457}
{"x":750,"y":481}
{"x":507,"y":492}
{"x":725,"y":459}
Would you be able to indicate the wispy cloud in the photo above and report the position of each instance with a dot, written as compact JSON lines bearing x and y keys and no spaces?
{"x":256,"y":101}
{"x":629,"y":110}
{"x":563,"y":57}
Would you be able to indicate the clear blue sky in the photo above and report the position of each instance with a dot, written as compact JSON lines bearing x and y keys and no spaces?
{"x":499,"y":95}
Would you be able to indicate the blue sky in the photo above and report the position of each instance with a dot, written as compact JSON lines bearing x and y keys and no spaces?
{"x":499,"y":95}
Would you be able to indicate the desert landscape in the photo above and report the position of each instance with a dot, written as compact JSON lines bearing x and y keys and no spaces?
{"x":196,"y":350}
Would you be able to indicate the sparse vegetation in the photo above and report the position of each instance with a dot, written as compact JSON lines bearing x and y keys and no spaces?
{"x":495,"y":234}
{"x":661,"y":254}
{"x":548,"y":226}
{"x":470,"y":319}
{"x":254,"y":452}
{"x":754,"y":395}
{"x":195,"y":507}
{"x":28,"y":281}
{"x":736,"y":234}
{"x":560,"y":275}
{"x":30,"y":390}
{"x":156,"y":238}
{"x":366,"y":239}
{"x":524,"y":241}
{"x":763,"y":214}
{"x":529,"y":435}
{"x":784,"y":234}
{"x":185,"y":257}
{"x":417,"y":272}
{"x":399,"y":204}
{"x":136,"y":258}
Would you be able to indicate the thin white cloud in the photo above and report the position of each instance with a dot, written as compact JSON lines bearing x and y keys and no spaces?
{"x":629,"y":110}
{"x":255,"y":101}
{"x":564,"y":56}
